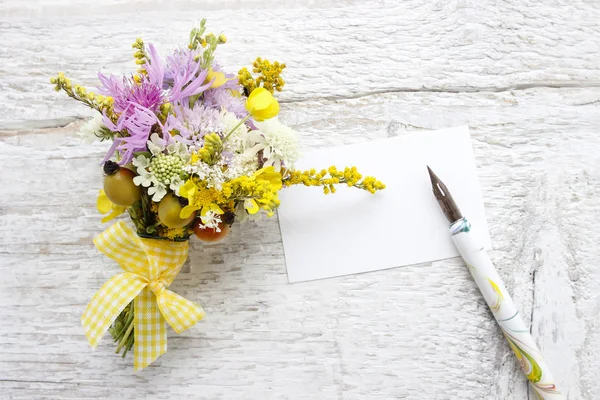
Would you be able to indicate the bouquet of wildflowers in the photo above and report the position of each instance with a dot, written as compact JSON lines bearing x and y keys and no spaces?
{"x":193,"y":149}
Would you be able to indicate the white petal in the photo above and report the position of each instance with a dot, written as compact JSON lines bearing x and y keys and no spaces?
{"x":139,"y":180}
{"x":251,"y":152}
{"x":160,"y":193}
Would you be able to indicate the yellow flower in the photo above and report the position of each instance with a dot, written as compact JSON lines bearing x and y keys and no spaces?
{"x":219,"y":78}
{"x":262,"y":105}
{"x":270,"y":175}
{"x":201,"y":199}
{"x":105,"y":206}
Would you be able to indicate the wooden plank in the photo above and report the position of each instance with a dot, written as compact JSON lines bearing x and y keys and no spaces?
{"x":418,"y":332}
{"x":332,"y":48}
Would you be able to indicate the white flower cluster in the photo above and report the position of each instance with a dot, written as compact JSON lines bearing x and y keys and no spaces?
{"x":277,"y":143}
{"x":90,"y":131}
{"x":164,"y":169}
{"x":210,"y":220}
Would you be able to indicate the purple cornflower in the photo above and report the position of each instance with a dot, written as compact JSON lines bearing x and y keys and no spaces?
{"x":155,"y":67}
{"x":172,"y":123}
{"x":181,"y":77}
{"x":125,"y":91}
{"x":138,"y":122}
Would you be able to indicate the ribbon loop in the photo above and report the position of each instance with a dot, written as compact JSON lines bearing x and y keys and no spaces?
{"x":151,"y":266}
{"x":107,"y":304}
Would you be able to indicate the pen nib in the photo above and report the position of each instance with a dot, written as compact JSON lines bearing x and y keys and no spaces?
{"x":444,"y":198}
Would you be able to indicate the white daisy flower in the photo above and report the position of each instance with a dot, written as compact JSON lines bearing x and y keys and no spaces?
{"x":91,"y":130}
{"x":278,"y":142}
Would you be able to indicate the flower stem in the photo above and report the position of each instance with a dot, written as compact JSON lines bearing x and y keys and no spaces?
{"x":129,"y":324}
{"x":237,"y":126}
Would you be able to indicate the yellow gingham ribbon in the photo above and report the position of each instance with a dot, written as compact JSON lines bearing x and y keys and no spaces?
{"x":150,"y":266}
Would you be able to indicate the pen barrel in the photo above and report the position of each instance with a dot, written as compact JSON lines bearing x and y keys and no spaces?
{"x":472,"y":250}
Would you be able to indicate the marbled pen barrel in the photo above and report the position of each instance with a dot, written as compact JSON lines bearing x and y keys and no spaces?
{"x":502,"y":306}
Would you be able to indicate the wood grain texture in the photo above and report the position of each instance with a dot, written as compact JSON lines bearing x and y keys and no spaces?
{"x":332,"y":49}
{"x":420,"y":332}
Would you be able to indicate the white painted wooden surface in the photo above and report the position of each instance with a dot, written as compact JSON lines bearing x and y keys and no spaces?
{"x":524,"y":75}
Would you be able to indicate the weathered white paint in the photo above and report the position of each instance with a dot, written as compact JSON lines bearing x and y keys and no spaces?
{"x":420,"y":332}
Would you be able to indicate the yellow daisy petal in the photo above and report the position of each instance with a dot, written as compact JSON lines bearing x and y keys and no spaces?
{"x":116,"y":211}
{"x":188,"y":189}
{"x":270,"y":175}
{"x":103,"y":204}
{"x":215,"y":208}
{"x":187,"y":211}
{"x":251,"y":206}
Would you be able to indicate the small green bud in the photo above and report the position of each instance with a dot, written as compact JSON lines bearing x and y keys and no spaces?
{"x":166,"y":108}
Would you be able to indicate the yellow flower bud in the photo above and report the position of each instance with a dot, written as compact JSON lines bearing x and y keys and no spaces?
{"x":222,"y":38}
{"x":166,"y":108}
{"x":262,"y":105}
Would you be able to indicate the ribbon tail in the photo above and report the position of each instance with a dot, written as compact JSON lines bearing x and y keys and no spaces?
{"x":150,"y":330}
{"x":179,"y":312}
{"x":107,"y":304}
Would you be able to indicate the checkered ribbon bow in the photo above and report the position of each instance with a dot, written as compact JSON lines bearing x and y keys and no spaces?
{"x":150,"y":266}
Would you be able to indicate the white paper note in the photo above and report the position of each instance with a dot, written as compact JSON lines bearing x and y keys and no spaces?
{"x":352,"y":231}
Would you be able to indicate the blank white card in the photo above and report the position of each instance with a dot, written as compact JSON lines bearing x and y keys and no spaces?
{"x":352,"y":231}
